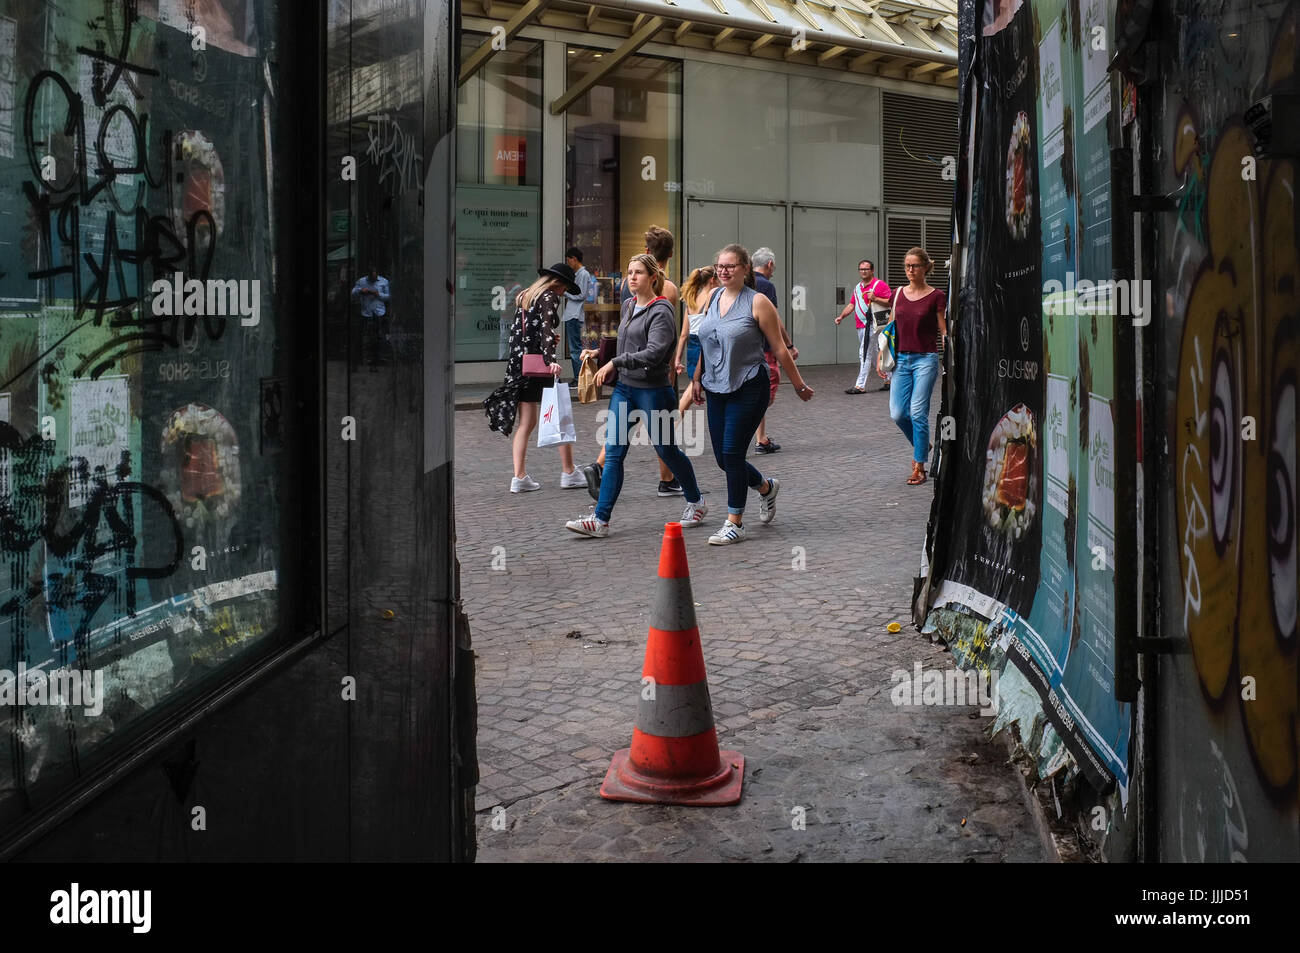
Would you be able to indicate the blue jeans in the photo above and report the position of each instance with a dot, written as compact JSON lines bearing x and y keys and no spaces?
{"x":733,"y":421}
{"x":622,"y":403}
{"x":573,"y":329}
{"x":692,"y":354}
{"x":909,"y":398}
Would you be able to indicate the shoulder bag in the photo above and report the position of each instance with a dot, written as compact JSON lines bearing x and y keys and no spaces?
{"x":534,"y":364}
{"x":888,"y":344}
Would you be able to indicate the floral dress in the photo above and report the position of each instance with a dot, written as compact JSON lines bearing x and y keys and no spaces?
{"x":532,"y":331}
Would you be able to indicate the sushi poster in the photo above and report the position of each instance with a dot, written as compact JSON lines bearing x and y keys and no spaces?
{"x":995,"y":521}
{"x":1030,"y":509}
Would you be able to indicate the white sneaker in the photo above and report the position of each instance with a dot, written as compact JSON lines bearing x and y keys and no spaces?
{"x":524,"y":484}
{"x":730,"y":533}
{"x":588,"y":525}
{"x":767,"y":504}
{"x":569,"y":481}
{"x":693,"y":515}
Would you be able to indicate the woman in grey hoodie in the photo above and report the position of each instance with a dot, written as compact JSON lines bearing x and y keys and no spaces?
{"x":647,"y":334}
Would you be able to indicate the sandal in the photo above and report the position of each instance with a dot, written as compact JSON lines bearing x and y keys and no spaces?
{"x":855,"y":390}
{"x":918,"y":475}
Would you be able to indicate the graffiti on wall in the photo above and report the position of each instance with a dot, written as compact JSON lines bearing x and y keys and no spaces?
{"x":105,"y":523}
{"x":99,"y":148}
{"x":1234,"y":441}
{"x":135,"y":537}
{"x":395,"y":152}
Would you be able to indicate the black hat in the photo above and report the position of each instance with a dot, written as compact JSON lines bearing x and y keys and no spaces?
{"x":564,"y":273}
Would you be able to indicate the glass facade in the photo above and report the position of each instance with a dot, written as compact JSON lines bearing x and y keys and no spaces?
{"x":498,"y":194}
{"x":623,"y":146}
{"x":737,"y":130}
{"x":145,"y":489}
{"x":715,"y":152}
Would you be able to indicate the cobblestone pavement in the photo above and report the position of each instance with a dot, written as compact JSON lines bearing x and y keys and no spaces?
{"x":799,"y":661}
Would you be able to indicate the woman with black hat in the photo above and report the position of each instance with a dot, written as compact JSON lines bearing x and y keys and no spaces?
{"x":536,"y":319}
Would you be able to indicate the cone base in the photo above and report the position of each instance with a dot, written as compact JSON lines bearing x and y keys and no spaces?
{"x":624,"y":783}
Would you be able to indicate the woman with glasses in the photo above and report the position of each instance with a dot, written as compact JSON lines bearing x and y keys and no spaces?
{"x":646,"y":334}
{"x":732,"y":375}
{"x":920,"y":318}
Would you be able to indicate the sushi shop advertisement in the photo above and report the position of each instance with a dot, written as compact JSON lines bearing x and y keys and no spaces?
{"x":1022,"y":547}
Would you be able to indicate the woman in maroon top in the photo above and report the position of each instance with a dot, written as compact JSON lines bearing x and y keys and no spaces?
{"x":920,"y":317}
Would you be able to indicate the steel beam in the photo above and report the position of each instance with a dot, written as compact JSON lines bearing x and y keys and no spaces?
{"x":609,"y":63}
{"x":491,"y":46}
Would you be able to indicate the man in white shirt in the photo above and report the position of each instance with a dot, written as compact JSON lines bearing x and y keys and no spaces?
{"x":573,"y":320}
{"x":870,"y":309}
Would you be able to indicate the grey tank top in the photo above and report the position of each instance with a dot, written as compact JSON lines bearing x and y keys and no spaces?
{"x":731,"y":345}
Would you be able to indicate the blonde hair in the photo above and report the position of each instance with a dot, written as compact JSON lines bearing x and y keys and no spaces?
{"x":697,"y":281}
{"x":652,"y":267}
{"x":919,"y":252}
{"x":528,"y":297}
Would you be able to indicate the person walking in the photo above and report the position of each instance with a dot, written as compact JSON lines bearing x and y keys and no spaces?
{"x":517,"y":402}
{"x":646,"y":333}
{"x":732,"y":377}
{"x":573,"y":302}
{"x":372,"y":292}
{"x":695,"y":295}
{"x":659,"y":246}
{"x":764,"y":262}
{"x":920,"y":318}
{"x":869,"y":305}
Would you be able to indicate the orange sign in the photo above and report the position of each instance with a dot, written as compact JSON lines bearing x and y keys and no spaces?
{"x":509,"y":152}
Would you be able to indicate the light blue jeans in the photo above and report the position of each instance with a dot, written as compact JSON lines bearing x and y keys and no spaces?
{"x":909,"y":398}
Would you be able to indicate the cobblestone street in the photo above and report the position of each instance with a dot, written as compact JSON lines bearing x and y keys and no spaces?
{"x":799,"y":660}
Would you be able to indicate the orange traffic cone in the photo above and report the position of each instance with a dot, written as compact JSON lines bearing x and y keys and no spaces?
{"x":674,"y":758}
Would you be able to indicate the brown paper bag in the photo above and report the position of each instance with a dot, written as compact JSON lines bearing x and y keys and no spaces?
{"x":588,"y":392}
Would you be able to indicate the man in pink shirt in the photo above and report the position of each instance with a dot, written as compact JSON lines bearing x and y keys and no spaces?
{"x":870,"y":307}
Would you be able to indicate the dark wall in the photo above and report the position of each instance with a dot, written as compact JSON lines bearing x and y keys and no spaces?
{"x":354,"y":739}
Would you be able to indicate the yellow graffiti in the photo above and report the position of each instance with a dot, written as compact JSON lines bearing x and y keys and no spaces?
{"x":1235,"y":497}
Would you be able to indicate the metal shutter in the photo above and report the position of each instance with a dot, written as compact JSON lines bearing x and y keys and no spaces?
{"x":938,"y":242}
{"x":926,"y":128}
{"x":904,"y":232}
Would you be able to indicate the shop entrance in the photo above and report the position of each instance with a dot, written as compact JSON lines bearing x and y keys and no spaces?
{"x":826,"y":247}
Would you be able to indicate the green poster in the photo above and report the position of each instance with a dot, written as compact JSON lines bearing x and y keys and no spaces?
{"x":498,"y":230}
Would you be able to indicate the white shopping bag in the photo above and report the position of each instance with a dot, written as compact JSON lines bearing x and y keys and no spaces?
{"x":556,"y":425}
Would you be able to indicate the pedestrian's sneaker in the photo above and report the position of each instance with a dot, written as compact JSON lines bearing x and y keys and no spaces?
{"x":569,"y":481}
{"x":523,"y":484}
{"x":730,"y":533}
{"x":770,"y":447}
{"x":670,"y":488}
{"x":694,"y":514}
{"x":591,"y":473}
{"x":767,"y":504}
{"x":588,"y":526}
